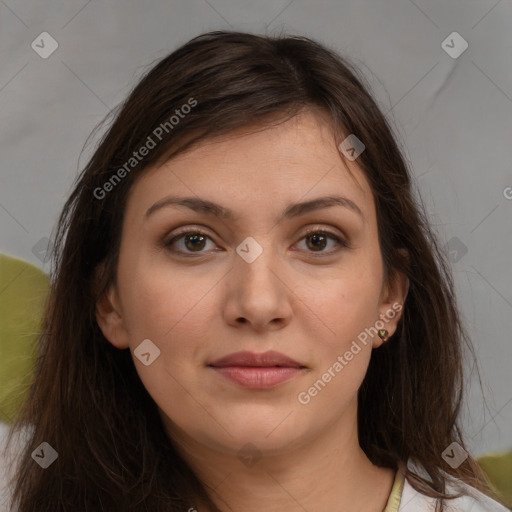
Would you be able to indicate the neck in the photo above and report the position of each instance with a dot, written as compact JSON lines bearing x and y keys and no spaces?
{"x":327,"y":472}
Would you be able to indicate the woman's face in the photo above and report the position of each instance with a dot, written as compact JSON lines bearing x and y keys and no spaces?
{"x":253,"y":282}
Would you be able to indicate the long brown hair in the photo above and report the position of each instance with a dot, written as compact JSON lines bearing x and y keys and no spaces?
{"x":86,"y":399}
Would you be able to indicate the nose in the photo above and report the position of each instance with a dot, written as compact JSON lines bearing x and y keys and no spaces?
{"x":259,"y":295}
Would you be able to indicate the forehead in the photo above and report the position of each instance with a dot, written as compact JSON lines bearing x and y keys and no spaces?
{"x":296,"y":160}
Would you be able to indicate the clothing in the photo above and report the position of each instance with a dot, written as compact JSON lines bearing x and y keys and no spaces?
{"x":404,"y":498}
{"x":4,"y":490}
{"x":396,"y":493}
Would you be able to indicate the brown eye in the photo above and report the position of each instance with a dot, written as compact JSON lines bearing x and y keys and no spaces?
{"x":189,"y":242}
{"x":193,"y":241}
{"x":318,"y":240}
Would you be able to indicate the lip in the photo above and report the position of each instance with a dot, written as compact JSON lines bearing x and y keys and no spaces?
{"x":258,"y":377}
{"x":257,"y":371}
{"x":265,"y":359}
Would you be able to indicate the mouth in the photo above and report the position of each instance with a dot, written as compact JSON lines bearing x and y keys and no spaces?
{"x":257,"y":371}
{"x":268,"y":359}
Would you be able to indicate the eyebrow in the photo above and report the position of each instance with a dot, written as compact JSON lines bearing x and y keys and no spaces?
{"x":293,"y":210}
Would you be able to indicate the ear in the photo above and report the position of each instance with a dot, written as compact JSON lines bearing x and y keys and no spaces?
{"x":110,"y":318}
{"x":393,"y":295}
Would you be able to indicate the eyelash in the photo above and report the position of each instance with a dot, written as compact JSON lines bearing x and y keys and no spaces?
{"x":313,"y":231}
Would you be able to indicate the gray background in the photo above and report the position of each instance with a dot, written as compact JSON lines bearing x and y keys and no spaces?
{"x":452,"y":116}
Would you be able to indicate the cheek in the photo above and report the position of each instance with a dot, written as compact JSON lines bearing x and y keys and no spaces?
{"x":175,"y":311}
{"x":170,"y":310}
{"x":350,"y":309}
{"x":350,"y":304}
{"x":158,"y":299}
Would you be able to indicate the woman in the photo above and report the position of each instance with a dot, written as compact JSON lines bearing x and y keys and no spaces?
{"x":247,"y":229}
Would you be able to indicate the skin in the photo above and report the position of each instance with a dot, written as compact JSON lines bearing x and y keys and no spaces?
{"x":198,"y":309}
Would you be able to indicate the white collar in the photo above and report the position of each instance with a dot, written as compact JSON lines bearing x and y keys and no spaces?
{"x":472,"y":500}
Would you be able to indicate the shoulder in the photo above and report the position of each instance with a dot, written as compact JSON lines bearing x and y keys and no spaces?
{"x":4,"y":494}
{"x":8,"y":456}
{"x":471,"y":501}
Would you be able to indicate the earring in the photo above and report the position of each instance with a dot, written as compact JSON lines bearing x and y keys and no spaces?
{"x":383,"y":334}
